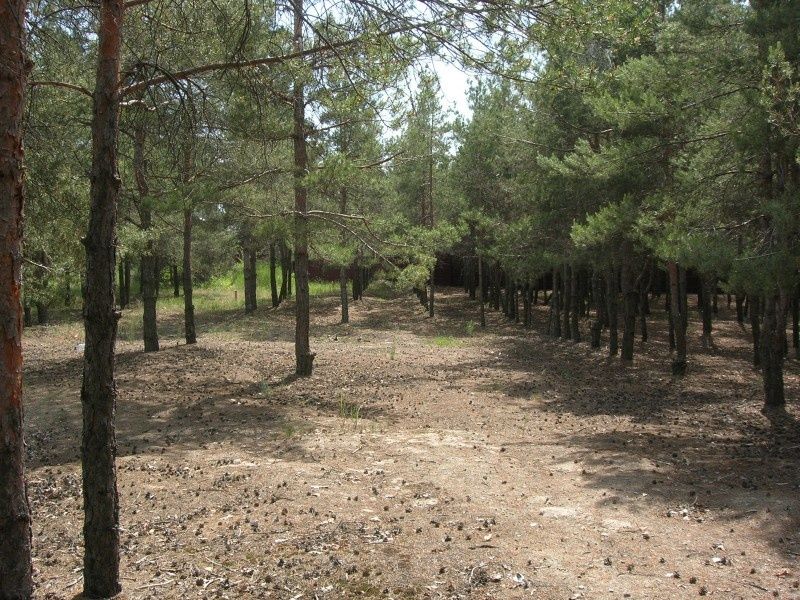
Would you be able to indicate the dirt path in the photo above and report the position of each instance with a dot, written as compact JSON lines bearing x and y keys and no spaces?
{"x":423,"y":462}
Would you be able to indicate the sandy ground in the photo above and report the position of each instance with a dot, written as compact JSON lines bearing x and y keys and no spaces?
{"x":422,"y":460}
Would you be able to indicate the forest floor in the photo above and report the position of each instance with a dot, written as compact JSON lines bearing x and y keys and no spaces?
{"x":426,"y":458}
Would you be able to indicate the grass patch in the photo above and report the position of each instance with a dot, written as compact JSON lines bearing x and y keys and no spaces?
{"x":445,"y":341}
{"x":349,"y":410}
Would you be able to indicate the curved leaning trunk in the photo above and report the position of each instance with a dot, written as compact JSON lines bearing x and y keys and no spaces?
{"x":15,"y":515}
{"x":98,"y":389}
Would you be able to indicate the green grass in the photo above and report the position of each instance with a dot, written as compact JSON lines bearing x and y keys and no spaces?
{"x":445,"y":341}
{"x":349,"y":410}
{"x":233,"y":280}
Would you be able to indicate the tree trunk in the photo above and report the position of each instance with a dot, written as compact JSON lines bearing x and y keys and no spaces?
{"x":127,"y":263}
{"x":709,"y":285}
{"x":149,"y":318}
{"x":284,"y":272}
{"x":471,"y":280}
{"x":432,"y":292}
{"x":644,"y":310}
{"x":754,"y":305}
{"x":273,"y":284}
{"x":98,"y":390}
{"x":42,"y":313}
{"x":189,"y":329}
{"x":343,"y":294}
{"x":612,"y":296}
{"x":599,"y":304}
{"x":575,"y":303}
{"x":148,"y":264}
{"x":772,"y":343}
{"x":302,"y":347}
{"x":566,"y":301}
{"x":482,"y":296}
{"x":68,"y":296}
{"x":121,"y":285}
{"x":796,"y":323}
{"x":630,"y":298}
{"x":555,"y":305}
{"x":27,"y":313}
{"x":15,"y":516}
{"x":176,"y":282}
{"x":250,"y":283}
{"x":290,"y":266}
{"x":527,"y":297}
{"x":740,"y":308}
{"x":677,"y":292}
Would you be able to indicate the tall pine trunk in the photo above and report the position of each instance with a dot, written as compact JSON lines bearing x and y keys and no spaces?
{"x":796,"y":325}
{"x":575,"y":305}
{"x":481,"y":294}
{"x":15,"y":516}
{"x":772,"y":350}
{"x":302,"y":348}
{"x":189,"y":329}
{"x":612,"y":297}
{"x":176,"y":282}
{"x":98,"y":389}
{"x":677,"y":292}
{"x":630,"y":299}
{"x":149,"y":261}
{"x":343,"y":294}
{"x":566,"y":305}
{"x":709,"y":285}
{"x":250,"y":283}
{"x":754,"y":306}
{"x":555,"y":305}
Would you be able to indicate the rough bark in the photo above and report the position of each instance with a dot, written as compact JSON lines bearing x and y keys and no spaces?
{"x":303,"y":356}
{"x":15,"y":516}
{"x":189,"y":329}
{"x":98,"y":390}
